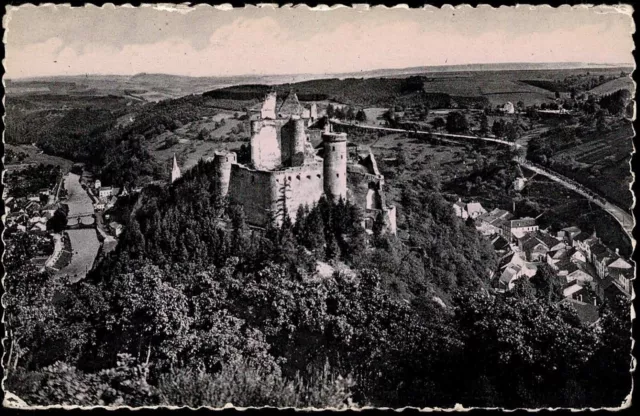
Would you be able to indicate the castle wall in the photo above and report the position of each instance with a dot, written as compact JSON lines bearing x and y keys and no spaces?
{"x":253,"y":189}
{"x":302,"y":185}
{"x":262,"y":192}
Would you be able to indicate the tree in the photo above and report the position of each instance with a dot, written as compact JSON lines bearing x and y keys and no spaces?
{"x":361,"y":116}
{"x":438,"y":123}
{"x":379,"y":225}
{"x":350,"y":114}
{"x":58,"y":222}
{"x":457,"y":122}
{"x":330,"y":111}
{"x":547,"y":284}
{"x":511,"y":132}
{"x":484,"y":124}
{"x":498,"y":128}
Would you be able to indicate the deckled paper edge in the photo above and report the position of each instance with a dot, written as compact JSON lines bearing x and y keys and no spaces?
{"x":13,"y":401}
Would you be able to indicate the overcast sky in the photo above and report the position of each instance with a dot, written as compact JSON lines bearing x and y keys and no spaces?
{"x":58,"y":40}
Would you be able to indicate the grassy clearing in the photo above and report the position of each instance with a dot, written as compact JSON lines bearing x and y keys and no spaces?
{"x":35,"y":155}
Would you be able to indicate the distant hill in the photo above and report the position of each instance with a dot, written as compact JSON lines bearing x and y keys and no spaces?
{"x":613,"y":86}
{"x":158,"y":86}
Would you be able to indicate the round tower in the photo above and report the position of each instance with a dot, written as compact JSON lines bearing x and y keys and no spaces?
{"x":298,"y":142}
{"x":335,"y":164}
{"x":222,"y":162}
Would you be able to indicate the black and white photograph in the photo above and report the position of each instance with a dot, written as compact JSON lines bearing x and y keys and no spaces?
{"x":331,"y":207}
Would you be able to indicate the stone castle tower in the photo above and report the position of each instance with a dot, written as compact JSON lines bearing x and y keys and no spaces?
{"x":222,"y":162}
{"x":335,"y":164}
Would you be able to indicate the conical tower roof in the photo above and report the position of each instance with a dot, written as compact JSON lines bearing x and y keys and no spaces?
{"x":290,"y":106}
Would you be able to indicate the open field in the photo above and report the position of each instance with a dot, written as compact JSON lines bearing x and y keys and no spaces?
{"x":34,"y":155}
{"x":189,"y":148}
{"x":84,"y":246}
{"x":613,"y":86}
{"x":601,"y":162}
{"x":497,"y":91}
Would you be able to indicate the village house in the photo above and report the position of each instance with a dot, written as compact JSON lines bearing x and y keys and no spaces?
{"x":600,"y":257}
{"x":567,"y":253}
{"x":580,"y":293}
{"x":512,"y":267}
{"x":587,"y":312}
{"x":116,"y":228}
{"x":500,"y":245}
{"x":508,"y":108}
{"x":537,"y":244}
{"x":460,"y":209}
{"x":519,"y":184}
{"x":475,"y":209}
{"x":491,"y":223}
{"x":512,"y":230}
{"x":585,"y":245}
{"x":568,"y":234}
{"x":580,"y":276}
{"x":105,"y":192}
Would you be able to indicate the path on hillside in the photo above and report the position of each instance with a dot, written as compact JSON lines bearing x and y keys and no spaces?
{"x":621,"y":216}
{"x":624,"y":218}
{"x":393,"y":130}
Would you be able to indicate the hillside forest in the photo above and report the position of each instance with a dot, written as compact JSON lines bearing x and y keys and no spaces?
{"x":195,"y":308}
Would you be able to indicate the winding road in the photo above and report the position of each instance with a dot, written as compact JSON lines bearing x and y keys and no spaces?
{"x":625,"y":219}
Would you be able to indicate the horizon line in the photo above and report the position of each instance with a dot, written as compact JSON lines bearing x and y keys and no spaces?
{"x":578,"y":65}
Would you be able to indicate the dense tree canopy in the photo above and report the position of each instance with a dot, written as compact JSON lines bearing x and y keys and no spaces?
{"x":193,"y":304}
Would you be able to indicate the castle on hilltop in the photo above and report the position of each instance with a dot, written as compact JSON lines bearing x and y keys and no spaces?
{"x":286,"y":170}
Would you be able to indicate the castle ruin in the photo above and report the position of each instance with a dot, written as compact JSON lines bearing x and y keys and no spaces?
{"x":286,"y":171}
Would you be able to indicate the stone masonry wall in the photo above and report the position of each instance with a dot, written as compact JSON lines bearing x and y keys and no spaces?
{"x":261,"y":192}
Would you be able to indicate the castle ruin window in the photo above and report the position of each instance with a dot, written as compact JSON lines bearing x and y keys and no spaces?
{"x":333,"y":148}
{"x":337,"y":175}
{"x":373,"y":200}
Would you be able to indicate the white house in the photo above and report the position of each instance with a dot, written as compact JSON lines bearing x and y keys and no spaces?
{"x":460,"y":209}
{"x":105,"y":192}
{"x":508,"y":108}
{"x":579,"y":276}
{"x":475,"y":209}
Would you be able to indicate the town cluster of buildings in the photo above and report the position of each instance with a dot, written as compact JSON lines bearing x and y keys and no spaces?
{"x":105,"y":197}
{"x":589,"y":269}
{"x":29,"y":213}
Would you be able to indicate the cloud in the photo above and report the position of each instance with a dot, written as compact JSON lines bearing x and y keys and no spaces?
{"x":281,"y":43}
